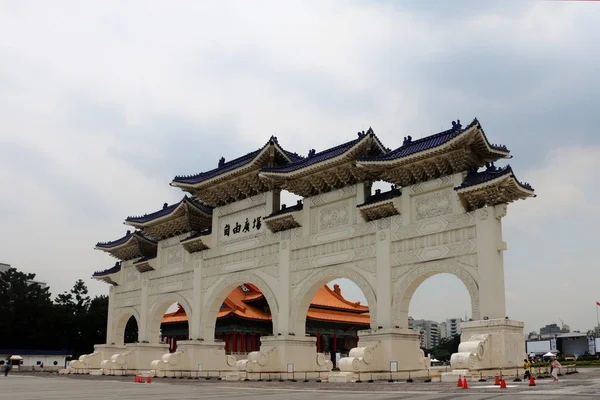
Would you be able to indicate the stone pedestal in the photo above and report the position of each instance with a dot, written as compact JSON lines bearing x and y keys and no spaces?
{"x":278,"y":352}
{"x":204,"y":359}
{"x":490,"y":344}
{"x":386,"y":350}
{"x":136,"y":356}
{"x":90,"y":362}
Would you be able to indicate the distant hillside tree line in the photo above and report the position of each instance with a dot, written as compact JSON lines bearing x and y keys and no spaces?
{"x":30,"y":319}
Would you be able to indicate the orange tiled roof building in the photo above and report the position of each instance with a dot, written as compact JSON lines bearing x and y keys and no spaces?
{"x":245,"y":317}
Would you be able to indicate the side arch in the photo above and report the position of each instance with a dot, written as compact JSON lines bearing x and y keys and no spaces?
{"x":220,"y":291}
{"x":418,"y":275}
{"x":312,"y":285}
{"x":120,"y":322}
{"x":158,"y":310}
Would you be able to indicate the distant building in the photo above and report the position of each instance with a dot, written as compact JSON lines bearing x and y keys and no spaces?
{"x":551,"y":329}
{"x":443,"y":329}
{"x":429,"y":330}
{"x":53,"y":360}
{"x":5,"y":267}
{"x":452,"y":326}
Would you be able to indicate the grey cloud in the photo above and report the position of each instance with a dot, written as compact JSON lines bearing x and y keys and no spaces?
{"x":44,"y":172}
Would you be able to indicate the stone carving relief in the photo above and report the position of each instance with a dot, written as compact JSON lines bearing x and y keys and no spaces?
{"x":243,"y":204}
{"x":369,"y":265}
{"x":323,"y":276}
{"x":227,"y":284}
{"x":355,"y":230}
{"x":298,"y":276}
{"x":334,"y":215}
{"x":422,"y":253}
{"x":273,"y":271}
{"x":174,"y":256}
{"x":171,"y":283}
{"x":432,"y":184}
{"x":440,"y":224}
{"x":418,"y":271}
{"x":442,"y":238}
{"x":433,"y":205}
{"x":482,"y":213}
{"x":127,"y":299}
{"x":343,"y":193}
{"x":132,"y":275}
{"x":381,"y":235}
{"x":333,"y":253}
{"x":264,"y":255}
{"x":383,"y":223}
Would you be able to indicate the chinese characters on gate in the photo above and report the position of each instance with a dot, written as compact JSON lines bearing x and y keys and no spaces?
{"x":245,"y":228}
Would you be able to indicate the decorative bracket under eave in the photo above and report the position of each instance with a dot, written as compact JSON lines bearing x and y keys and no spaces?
{"x":284,"y":219}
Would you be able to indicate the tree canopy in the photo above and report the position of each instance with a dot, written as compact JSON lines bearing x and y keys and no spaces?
{"x":31,"y":320}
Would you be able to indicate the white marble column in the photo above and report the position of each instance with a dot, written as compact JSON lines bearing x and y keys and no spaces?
{"x":194,"y":326}
{"x":111,"y":315}
{"x":384,"y":279}
{"x":284,"y":291}
{"x":490,"y":261}
{"x":144,"y":328}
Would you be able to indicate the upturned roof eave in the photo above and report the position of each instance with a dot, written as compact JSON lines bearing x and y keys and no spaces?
{"x":107,"y":246}
{"x":244,"y":168}
{"x":185,"y":202}
{"x":492,"y":182}
{"x":504,"y":154}
{"x":274,"y":174}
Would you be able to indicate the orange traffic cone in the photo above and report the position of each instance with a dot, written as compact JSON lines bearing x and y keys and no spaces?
{"x":136,"y":379}
{"x":459,"y":383}
{"x":531,"y":381}
{"x":149,"y":380}
{"x":502,"y":384}
{"x":465,"y":384}
{"x":497,"y":381}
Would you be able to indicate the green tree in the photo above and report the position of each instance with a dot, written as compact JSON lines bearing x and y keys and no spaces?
{"x":446,"y":347}
{"x":81,"y":321}
{"x":26,"y":311}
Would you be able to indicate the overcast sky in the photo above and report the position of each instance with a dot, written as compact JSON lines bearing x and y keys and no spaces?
{"x":103,"y":103}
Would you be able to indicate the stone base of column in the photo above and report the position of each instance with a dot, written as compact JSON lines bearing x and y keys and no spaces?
{"x":490,"y":344}
{"x":285,"y":354}
{"x":386,"y":350}
{"x":195,"y":357}
{"x":88,"y":363}
{"x":135,"y":356}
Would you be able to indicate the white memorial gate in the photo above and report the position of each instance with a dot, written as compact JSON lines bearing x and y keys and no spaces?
{"x":443,"y":215}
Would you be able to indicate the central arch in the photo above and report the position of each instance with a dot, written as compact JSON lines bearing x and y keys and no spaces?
{"x":158,"y":310}
{"x":220,"y":292}
{"x":121,"y":320}
{"x":418,"y":275}
{"x":315,"y":282}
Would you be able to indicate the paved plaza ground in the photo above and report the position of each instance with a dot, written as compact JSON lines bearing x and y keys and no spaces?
{"x":30,"y":387}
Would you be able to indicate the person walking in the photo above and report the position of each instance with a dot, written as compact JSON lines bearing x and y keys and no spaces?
{"x":527,"y":367}
{"x":6,"y":368}
{"x":555,"y":368}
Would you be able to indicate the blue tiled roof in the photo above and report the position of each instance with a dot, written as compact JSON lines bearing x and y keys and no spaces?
{"x":232,"y":165}
{"x":315,"y":158}
{"x":123,"y":240}
{"x":475,"y":178}
{"x":381,"y":196}
{"x":297,"y":207}
{"x":410,"y":147}
{"x":109,"y":271}
{"x":168,"y":209}
{"x":33,"y":352}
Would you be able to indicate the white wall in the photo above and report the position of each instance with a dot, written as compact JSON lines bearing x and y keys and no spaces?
{"x":541,"y":346}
